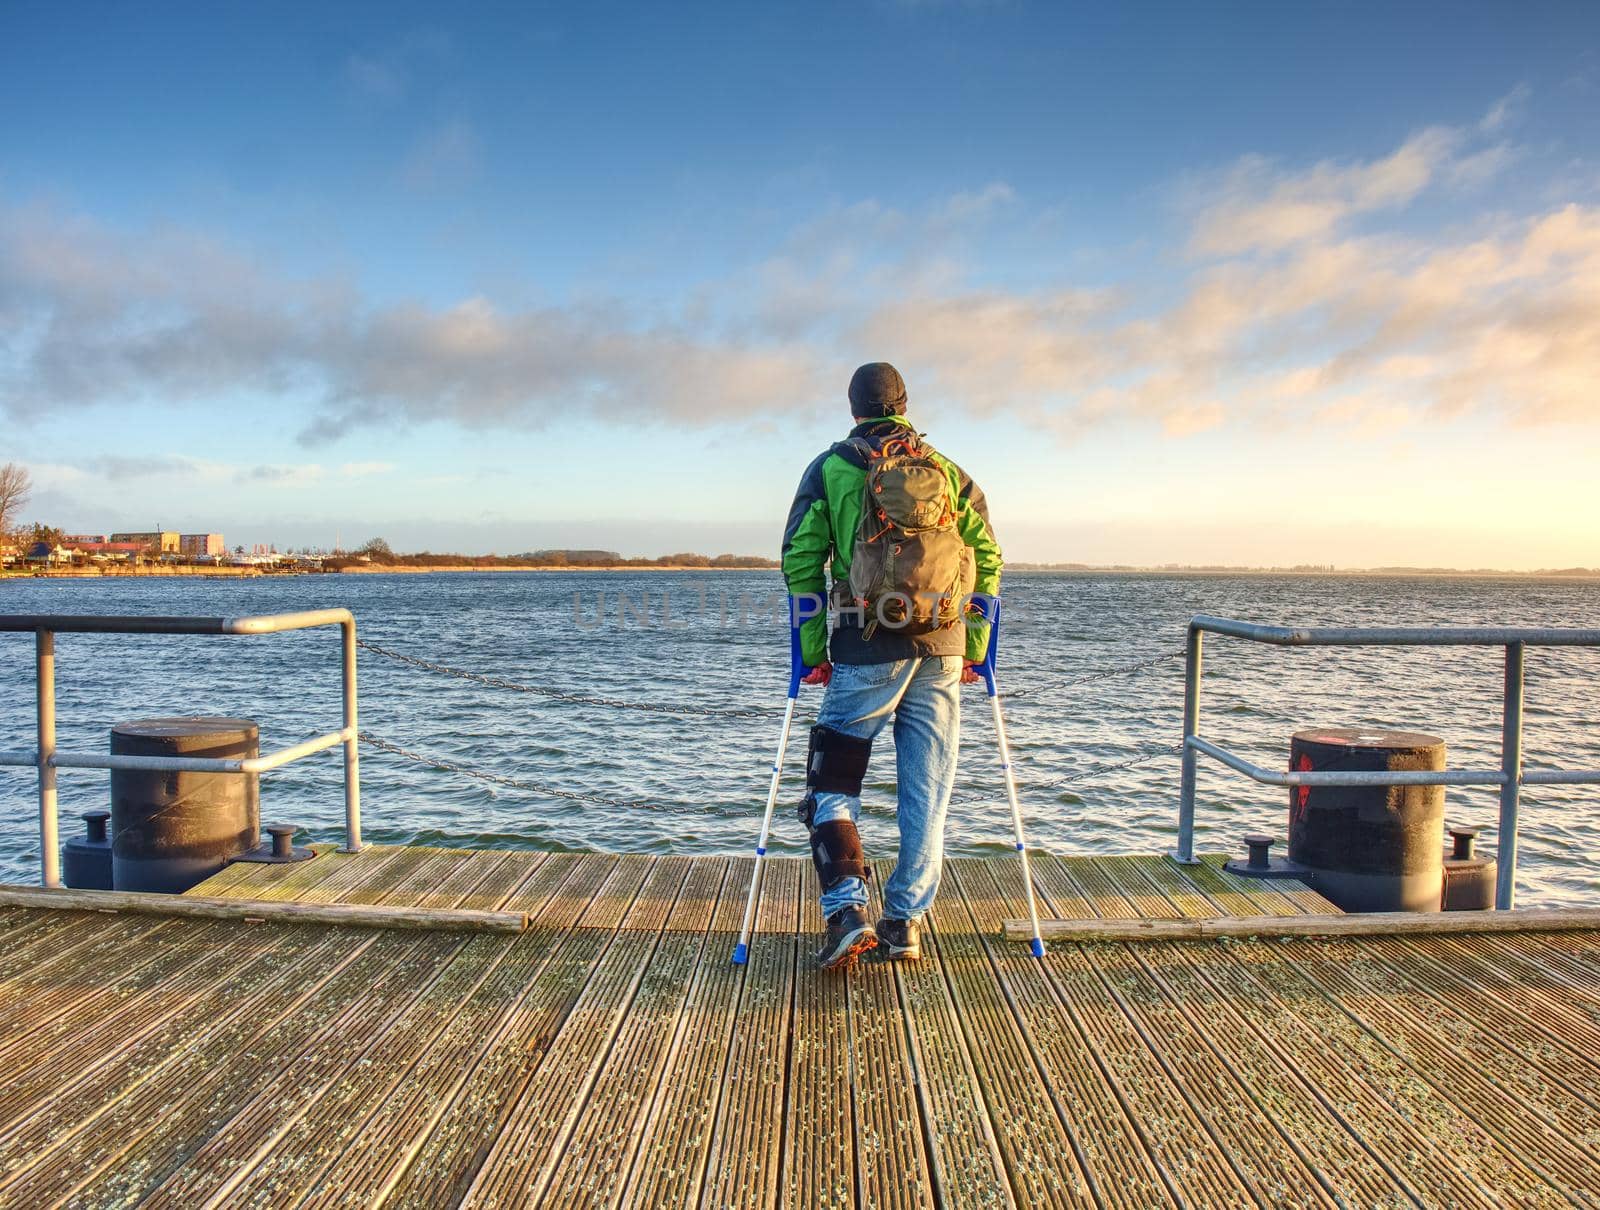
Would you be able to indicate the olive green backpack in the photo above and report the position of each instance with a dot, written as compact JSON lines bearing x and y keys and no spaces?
{"x":910,"y":569}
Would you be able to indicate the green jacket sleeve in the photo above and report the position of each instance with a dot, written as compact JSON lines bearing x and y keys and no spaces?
{"x":807,"y":547}
{"x":972,"y":520}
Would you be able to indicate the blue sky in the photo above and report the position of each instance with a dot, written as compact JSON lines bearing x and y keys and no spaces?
{"x":1256,"y":284}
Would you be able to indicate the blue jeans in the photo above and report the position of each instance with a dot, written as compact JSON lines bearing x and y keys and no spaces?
{"x":924,"y":698}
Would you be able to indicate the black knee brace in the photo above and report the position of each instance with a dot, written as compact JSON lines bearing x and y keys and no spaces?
{"x":836,"y":764}
{"x":836,"y":852}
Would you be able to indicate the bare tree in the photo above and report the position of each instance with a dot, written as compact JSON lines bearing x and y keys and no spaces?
{"x":16,"y":485}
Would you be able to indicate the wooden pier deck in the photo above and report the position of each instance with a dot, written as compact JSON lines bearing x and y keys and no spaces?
{"x":611,"y":1055}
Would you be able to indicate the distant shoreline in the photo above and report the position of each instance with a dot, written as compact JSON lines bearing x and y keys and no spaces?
{"x":234,"y":573}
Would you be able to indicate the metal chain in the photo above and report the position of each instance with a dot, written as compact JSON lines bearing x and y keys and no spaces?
{"x":641,"y":804}
{"x":517,"y":783}
{"x":578,"y":699}
{"x":1103,"y":674}
{"x":1095,"y":771}
{"x":575,"y":699}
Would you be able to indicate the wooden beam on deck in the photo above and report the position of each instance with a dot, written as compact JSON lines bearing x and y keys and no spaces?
{"x":276,"y":911}
{"x":1354,"y":924}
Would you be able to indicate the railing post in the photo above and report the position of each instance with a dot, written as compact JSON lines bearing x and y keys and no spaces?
{"x":1184,"y":853}
{"x":1505,"y":890}
{"x":49,"y":833}
{"x":352,"y":743}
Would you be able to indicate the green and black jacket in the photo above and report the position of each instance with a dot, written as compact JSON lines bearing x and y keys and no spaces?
{"x":822,"y":532}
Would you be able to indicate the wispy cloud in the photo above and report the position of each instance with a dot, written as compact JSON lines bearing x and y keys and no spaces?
{"x":1303,"y":303}
{"x":118,"y":468}
{"x":281,"y":474}
{"x":1260,"y":206}
{"x":385,"y":74}
{"x":1505,"y":110}
{"x":1257,"y":208}
{"x":445,"y":156}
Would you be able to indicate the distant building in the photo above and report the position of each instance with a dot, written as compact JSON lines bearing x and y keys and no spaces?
{"x":119,"y":552}
{"x":43,"y":552}
{"x":161,"y":540}
{"x":201,"y":546}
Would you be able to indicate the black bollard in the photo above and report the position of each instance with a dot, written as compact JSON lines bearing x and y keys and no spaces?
{"x":170,"y":831}
{"x":281,"y":848}
{"x":1468,"y":879}
{"x":86,"y":859}
{"x":1369,"y":848}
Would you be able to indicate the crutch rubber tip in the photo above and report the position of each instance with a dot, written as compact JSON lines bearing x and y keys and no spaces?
{"x":741,"y":953}
{"x":1037,"y":946}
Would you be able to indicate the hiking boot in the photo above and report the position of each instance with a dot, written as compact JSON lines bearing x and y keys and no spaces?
{"x":849,"y":936}
{"x":899,"y":940}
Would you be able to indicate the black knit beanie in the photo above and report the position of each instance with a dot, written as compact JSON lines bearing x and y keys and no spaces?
{"x":877,"y":389}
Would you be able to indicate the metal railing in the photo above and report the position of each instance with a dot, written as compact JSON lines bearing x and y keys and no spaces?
{"x":1510,"y":776}
{"x":47,"y":759}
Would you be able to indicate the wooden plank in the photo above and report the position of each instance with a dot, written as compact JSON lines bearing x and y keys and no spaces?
{"x":79,"y":934}
{"x":318,"y":1100}
{"x":1179,"y":1139}
{"x":967,"y":1166}
{"x":1173,"y":881}
{"x":1488,"y":973}
{"x":386,"y":878}
{"x":1336,"y":1155}
{"x":531,"y":1138}
{"x":819,"y":1166}
{"x":434,"y":1109}
{"x":1439,"y":1152}
{"x":25,"y":928}
{"x":128,"y":988}
{"x":243,"y":876}
{"x":1051,"y":1114}
{"x":1104,"y":899}
{"x":498,"y":879}
{"x":208,"y":1165}
{"x":612,"y":1055}
{"x":450,"y":1160}
{"x":329,"y":868}
{"x":55,"y":978}
{"x":1236,"y":896}
{"x":893,"y":1167}
{"x":606,"y":1138}
{"x":428,"y":877}
{"x":1493,"y":1075}
{"x":670,"y":1165}
{"x":1567,"y":1004}
{"x":1147,"y":899}
{"x":250,"y":1101}
{"x":1354,"y":924}
{"x":113,"y":1053}
{"x":742,"y":1169}
{"x":1300,"y":897}
{"x":1272,"y":1163}
{"x":200,"y":1085}
{"x":382,"y":914}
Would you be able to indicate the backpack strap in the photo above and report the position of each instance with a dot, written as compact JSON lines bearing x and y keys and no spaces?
{"x":857,"y":450}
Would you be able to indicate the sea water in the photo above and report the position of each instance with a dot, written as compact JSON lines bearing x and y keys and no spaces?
{"x":717,"y":640}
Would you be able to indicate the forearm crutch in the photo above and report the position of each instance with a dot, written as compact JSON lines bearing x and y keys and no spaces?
{"x":990,"y":607}
{"x":797,"y":670}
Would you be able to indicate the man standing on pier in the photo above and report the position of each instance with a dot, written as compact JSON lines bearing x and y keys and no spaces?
{"x":907,"y":535}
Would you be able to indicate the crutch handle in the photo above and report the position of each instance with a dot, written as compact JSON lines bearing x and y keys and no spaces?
{"x":988,"y":605}
{"x":802,"y":608}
